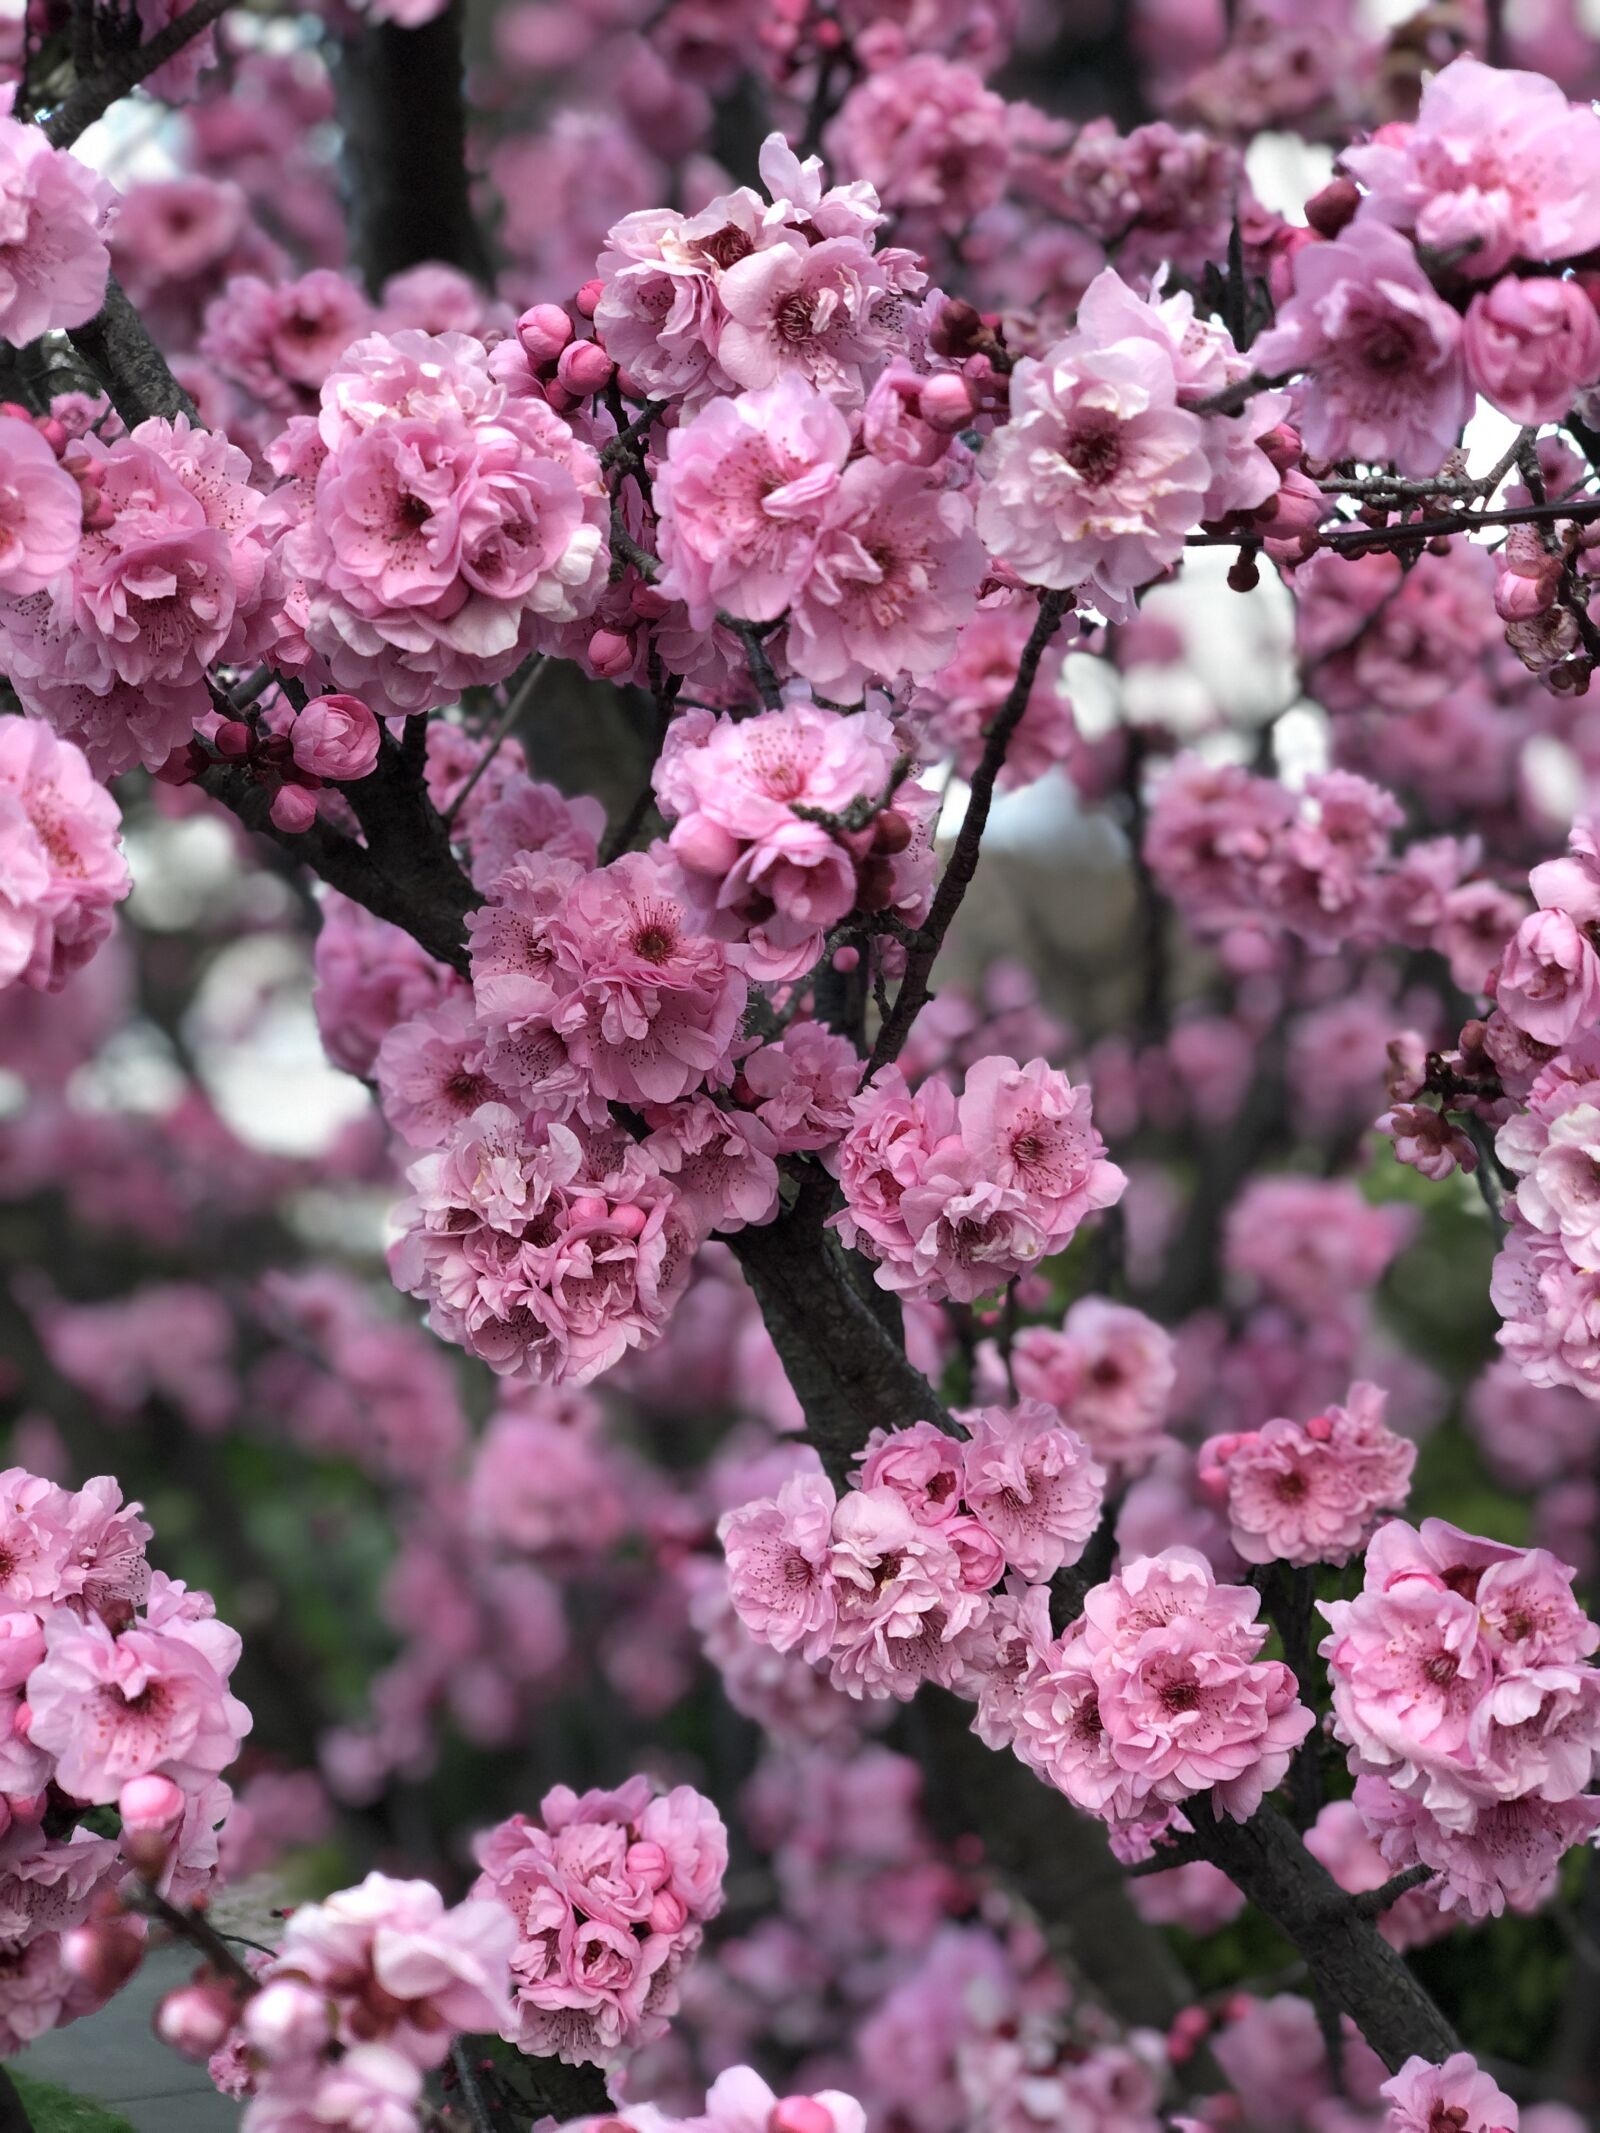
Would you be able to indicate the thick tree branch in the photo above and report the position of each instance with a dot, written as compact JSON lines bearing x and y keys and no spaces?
{"x":416,"y":886}
{"x":405,"y":149}
{"x":1054,"y":1859}
{"x":117,"y":345}
{"x":13,"y":2111}
{"x":1347,"y":1956}
{"x":90,"y":99}
{"x":848,"y":1370}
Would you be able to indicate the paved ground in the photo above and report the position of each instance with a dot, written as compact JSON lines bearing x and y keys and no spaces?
{"x":113,"y":2057}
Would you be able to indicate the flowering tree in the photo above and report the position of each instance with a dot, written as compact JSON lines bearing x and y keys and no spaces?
{"x":873,"y":1556}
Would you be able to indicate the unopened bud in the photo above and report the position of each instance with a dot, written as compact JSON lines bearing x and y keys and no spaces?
{"x":234,"y":740}
{"x":947,"y":402}
{"x":194,"y":2019}
{"x":104,"y":1952}
{"x":874,"y":885}
{"x":587,"y":300}
{"x":891,"y":832}
{"x":150,"y":1803}
{"x":799,"y":2114}
{"x":584,"y":368}
{"x":610,"y":654}
{"x":1330,"y":210}
{"x":293,"y":809}
{"x":544,"y":332}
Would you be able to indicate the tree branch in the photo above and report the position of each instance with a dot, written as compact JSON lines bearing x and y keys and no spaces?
{"x":13,"y":2111}
{"x":915,"y":990}
{"x":1347,"y":1956}
{"x":117,"y":345}
{"x":405,"y":149}
{"x":91,"y":99}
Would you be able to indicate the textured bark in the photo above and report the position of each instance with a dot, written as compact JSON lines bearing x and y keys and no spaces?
{"x":1056,"y":1860}
{"x":848,"y":1371}
{"x":405,"y":149}
{"x":116,"y":344}
{"x":1347,"y":1956}
{"x":92,"y":96}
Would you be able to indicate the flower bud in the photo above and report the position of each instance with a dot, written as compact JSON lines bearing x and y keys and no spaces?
{"x":799,"y":2114}
{"x":544,"y":332}
{"x":1330,"y":210}
{"x":234,"y":740}
{"x":628,"y":1220}
{"x":183,"y":766}
{"x":104,"y":1952}
{"x":704,"y":846}
{"x":667,"y":1913}
{"x":648,"y":1862}
{"x":588,"y":298}
{"x":947,"y":402}
{"x":610,"y":654}
{"x":286,"y":2020}
{"x":54,"y":434}
{"x":194,"y":2019}
{"x":293,"y":809}
{"x":846,"y":959}
{"x":584,"y":368}
{"x":150,"y":1803}
{"x":874,"y":885}
{"x":336,"y":737}
{"x":891,"y":832}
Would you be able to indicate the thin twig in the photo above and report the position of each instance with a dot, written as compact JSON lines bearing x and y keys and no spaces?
{"x":1374,"y":1902}
{"x":963,"y":864}
{"x":508,"y":719}
{"x":190,"y":1925}
{"x":1351,"y":540}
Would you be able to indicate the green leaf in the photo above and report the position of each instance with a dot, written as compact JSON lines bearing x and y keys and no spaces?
{"x":54,"y":2110}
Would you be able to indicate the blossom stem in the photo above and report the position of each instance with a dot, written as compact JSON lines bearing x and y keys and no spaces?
{"x":91,"y":99}
{"x":915,"y":988}
{"x":519,"y":701}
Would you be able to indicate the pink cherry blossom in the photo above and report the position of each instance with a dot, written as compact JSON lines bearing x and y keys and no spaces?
{"x":61,"y":866}
{"x":53,"y":258}
{"x":1031,"y":1482}
{"x":1422,"y":2097}
{"x":41,"y":511}
{"x":1386,"y":377}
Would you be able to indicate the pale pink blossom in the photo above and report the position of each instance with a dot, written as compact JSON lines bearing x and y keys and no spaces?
{"x":778,"y":1571}
{"x":928,"y":137}
{"x":53,"y":258}
{"x":1099,"y":473}
{"x":741,"y":494}
{"x":61,"y":866}
{"x":1110,"y":1372}
{"x":1310,"y":1492}
{"x":1030,"y":1481}
{"x":41,"y":511}
{"x":1532,"y":346}
{"x":1488,"y":166}
{"x":399,"y":1968}
{"x":1423,"y":2097}
{"x":1386,"y":379}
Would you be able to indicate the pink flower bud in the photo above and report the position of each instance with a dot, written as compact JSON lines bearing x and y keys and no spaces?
{"x":610,"y":654}
{"x":183,"y":766}
{"x":54,"y":434}
{"x":1319,"y":1429}
{"x":28,"y":1806}
{"x":16,"y":410}
{"x":234,"y":740}
{"x":150,"y":1803}
{"x":194,"y":2019}
{"x":628,"y":1220}
{"x":1336,"y":204}
{"x":293,"y":809}
{"x":584,"y":368}
{"x":705,"y":847}
{"x":648,"y":1862}
{"x":799,"y":2114}
{"x":588,"y":298}
{"x":336,"y":737}
{"x":286,"y":2020}
{"x":104,"y":1952}
{"x":588,"y":1207}
{"x":544,"y":332}
{"x":667,"y":1913}
{"x":846,"y":959}
{"x":947,"y":402}
{"x":1524,"y":589}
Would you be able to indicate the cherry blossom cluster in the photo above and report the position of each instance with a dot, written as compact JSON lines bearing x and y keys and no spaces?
{"x":894,"y":1582}
{"x":1234,"y":849}
{"x":609,"y":1894}
{"x":362,"y":1998}
{"x":952,"y":1196}
{"x":62,"y":872}
{"x":1309,"y":1492}
{"x":115,"y":1697}
{"x":1155,"y":1693}
{"x":1462,"y":1689}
